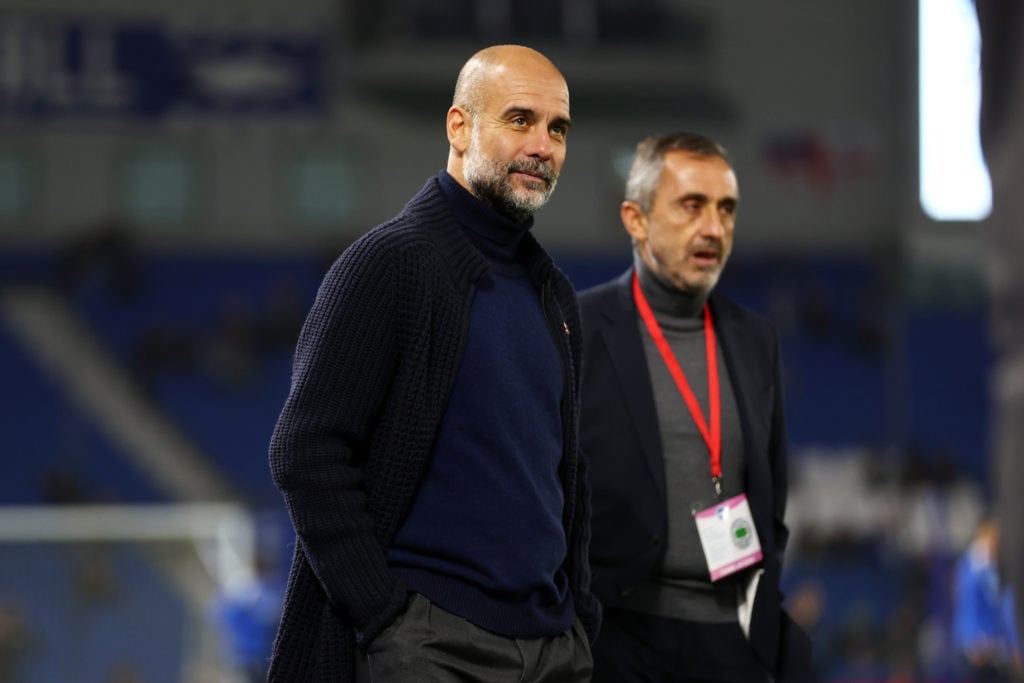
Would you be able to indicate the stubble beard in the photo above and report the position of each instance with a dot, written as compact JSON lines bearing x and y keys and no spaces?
{"x":491,"y":181}
{"x":703,"y":280}
{"x":700,"y":281}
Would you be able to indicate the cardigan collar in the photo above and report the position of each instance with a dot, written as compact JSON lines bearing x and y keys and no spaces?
{"x":493,"y":233}
{"x":431,"y":208}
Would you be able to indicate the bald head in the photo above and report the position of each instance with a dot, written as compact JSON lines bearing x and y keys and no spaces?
{"x":485,"y":69}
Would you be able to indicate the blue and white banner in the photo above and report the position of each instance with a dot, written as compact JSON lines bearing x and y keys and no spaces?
{"x":53,"y":69}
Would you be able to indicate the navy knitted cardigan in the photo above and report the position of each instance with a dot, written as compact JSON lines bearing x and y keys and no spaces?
{"x":373,"y":369}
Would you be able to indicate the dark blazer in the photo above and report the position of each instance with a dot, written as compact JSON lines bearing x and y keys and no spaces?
{"x":620,"y":438}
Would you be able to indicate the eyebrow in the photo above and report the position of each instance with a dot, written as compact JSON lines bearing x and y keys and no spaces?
{"x":701,"y":197}
{"x":691,"y":196}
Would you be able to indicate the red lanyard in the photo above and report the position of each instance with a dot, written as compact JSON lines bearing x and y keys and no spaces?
{"x":712,"y":438}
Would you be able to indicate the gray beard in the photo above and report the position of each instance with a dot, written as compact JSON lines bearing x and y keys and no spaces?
{"x":500,"y":196}
{"x":493,"y":186}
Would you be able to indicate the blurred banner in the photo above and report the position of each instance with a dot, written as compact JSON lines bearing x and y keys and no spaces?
{"x":54,"y":69}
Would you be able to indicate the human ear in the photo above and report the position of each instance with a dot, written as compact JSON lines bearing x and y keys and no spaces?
{"x":459,"y":125}
{"x":633,"y":220}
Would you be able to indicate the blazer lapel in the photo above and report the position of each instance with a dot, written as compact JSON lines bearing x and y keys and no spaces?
{"x":750,"y":386}
{"x":621,"y":334}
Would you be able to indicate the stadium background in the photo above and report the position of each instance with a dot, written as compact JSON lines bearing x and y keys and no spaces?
{"x":175,"y":177}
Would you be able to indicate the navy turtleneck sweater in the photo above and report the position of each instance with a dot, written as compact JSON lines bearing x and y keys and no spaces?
{"x":484,"y":539}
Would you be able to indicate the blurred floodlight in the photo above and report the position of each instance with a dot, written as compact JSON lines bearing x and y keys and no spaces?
{"x":954,"y":180}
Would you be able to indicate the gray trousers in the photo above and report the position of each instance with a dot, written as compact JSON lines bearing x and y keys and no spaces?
{"x":428,"y":644}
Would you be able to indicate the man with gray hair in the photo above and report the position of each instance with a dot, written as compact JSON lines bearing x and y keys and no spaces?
{"x":683,"y":430}
{"x":428,"y":450}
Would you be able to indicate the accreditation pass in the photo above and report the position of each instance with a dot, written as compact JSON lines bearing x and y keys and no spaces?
{"x":728,"y":536}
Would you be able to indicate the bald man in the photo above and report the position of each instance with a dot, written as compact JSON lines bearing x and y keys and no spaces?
{"x":428,"y":452}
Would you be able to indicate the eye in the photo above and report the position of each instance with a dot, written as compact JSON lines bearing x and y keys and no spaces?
{"x":559,"y":130}
{"x":520,"y":120}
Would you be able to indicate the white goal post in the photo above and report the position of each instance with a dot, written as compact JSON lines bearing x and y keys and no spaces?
{"x":224,"y":533}
{"x":183,"y":556}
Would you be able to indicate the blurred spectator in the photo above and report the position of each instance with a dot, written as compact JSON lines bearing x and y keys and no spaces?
{"x":902,"y":631}
{"x":815,"y":310}
{"x":806,"y":604}
{"x":278,"y":328}
{"x":15,"y":642}
{"x":858,"y":646}
{"x":61,"y":484}
{"x":161,"y":347}
{"x":870,"y":334}
{"x":1001,"y":25}
{"x":94,"y":578}
{"x":103,"y":256}
{"x":229,"y":353}
{"x":125,"y":672}
{"x":984,"y":627}
{"x":246,"y":616}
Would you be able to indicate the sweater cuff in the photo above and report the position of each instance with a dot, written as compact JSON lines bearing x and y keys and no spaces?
{"x":399,"y":600}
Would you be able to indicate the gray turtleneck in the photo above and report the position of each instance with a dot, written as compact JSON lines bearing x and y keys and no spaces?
{"x":681,"y":587}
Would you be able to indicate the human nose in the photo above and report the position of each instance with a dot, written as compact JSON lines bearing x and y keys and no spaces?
{"x":539,"y":143}
{"x":713,"y":225}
